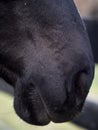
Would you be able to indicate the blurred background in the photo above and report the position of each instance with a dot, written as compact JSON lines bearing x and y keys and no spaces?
{"x":88,"y":119}
{"x":87,"y":8}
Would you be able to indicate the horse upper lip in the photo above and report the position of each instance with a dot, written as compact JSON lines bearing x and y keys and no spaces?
{"x":44,"y":104}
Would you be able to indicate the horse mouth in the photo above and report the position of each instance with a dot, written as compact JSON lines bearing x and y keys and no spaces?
{"x":32,"y":109}
{"x":40,"y":116}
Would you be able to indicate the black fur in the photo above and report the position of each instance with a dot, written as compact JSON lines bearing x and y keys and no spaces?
{"x":46,"y":56}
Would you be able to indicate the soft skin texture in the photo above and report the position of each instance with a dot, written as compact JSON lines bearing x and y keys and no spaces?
{"x":46,"y":56}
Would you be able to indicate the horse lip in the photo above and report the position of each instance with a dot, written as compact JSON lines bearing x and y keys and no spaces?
{"x":50,"y":114}
{"x":44,"y":105}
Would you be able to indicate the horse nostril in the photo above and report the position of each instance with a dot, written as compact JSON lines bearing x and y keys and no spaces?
{"x":81,"y":87}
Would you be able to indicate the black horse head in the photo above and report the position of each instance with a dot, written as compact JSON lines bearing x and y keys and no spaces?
{"x":46,"y":56}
